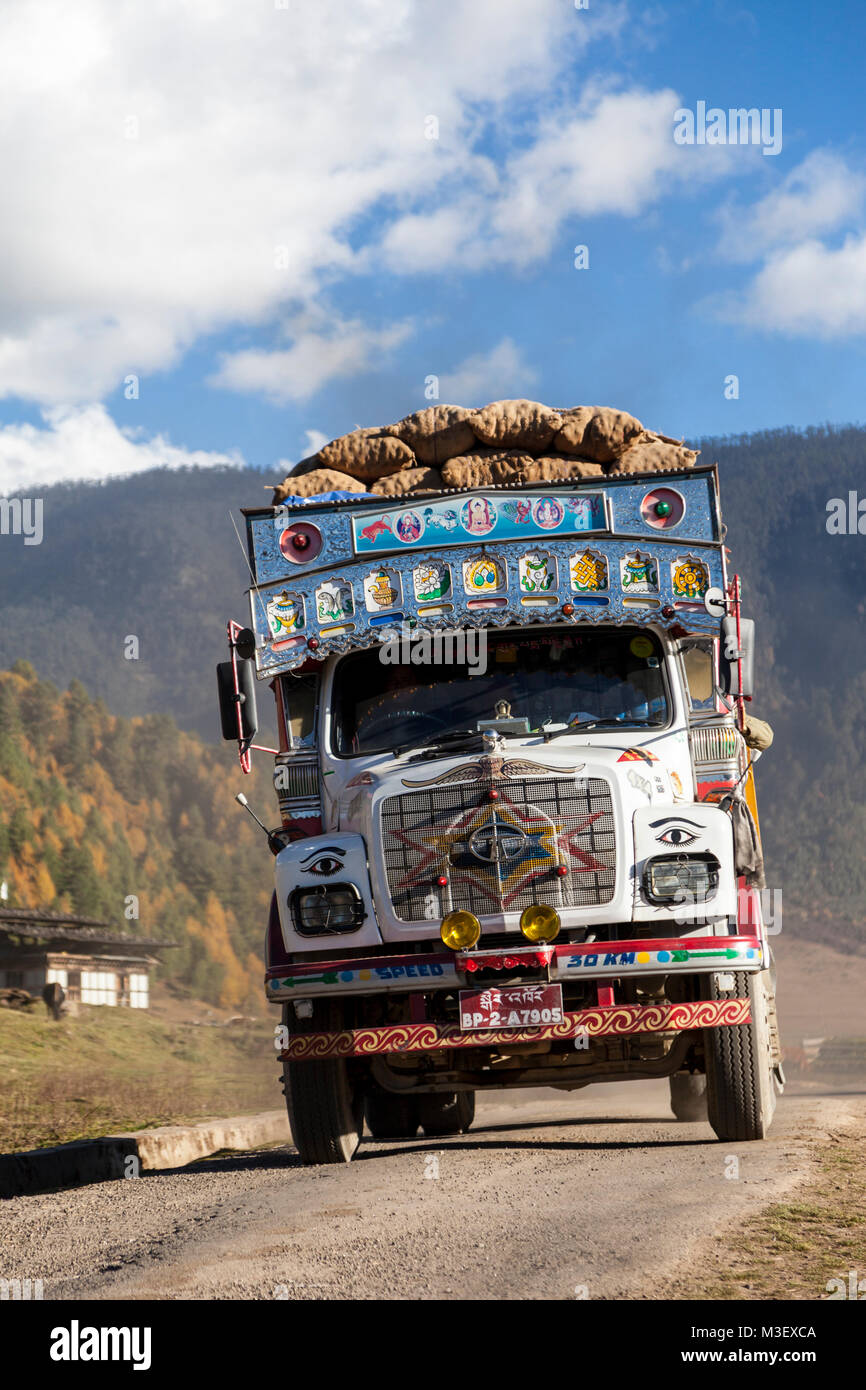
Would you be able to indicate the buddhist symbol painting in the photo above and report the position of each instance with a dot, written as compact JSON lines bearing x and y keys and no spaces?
{"x":690,"y":578}
{"x":408,"y":527}
{"x":639,"y":574}
{"x":484,"y":576}
{"x":285,"y":615}
{"x":478,"y":516}
{"x":432,"y":581}
{"x":537,"y":573}
{"x":519,"y":512}
{"x":588,"y":573}
{"x":548,"y":513}
{"x":334,"y":602}
{"x":382,"y":589}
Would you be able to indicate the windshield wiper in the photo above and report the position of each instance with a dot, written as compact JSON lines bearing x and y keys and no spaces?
{"x":438,"y":740}
{"x":573,"y":728}
{"x":583,"y":724}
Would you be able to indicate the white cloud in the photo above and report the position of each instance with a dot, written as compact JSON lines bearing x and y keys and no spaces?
{"x":611,"y":152}
{"x":86,"y":444}
{"x":315,"y":358}
{"x":434,"y":241}
{"x":805,"y":290}
{"x":314,"y":440}
{"x":498,"y":374}
{"x":804,"y":287}
{"x":176,"y":169}
{"x":820,"y":195}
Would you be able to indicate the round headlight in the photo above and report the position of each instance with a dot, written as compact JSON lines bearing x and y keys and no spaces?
{"x":460,"y":930}
{"x":540,"y":922}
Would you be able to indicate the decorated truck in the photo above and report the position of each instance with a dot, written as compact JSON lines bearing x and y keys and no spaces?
{"x":518,"y":841}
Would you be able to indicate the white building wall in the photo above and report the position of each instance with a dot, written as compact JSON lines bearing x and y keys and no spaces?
{"x":138,"y":991}
{"x":98,"y":987}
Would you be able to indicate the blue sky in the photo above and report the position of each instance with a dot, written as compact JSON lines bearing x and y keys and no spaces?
{"x":242,"y":206}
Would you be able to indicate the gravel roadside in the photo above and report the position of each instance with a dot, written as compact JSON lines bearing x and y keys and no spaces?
{"x":599,"y":1195}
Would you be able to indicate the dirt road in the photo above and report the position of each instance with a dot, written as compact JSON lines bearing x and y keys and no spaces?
{"x":595,"y":1195}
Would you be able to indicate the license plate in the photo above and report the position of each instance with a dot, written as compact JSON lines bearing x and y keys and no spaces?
{"x":516,"y":1006}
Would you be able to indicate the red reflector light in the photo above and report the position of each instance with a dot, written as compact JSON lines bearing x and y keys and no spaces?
{"x":300,"y":542}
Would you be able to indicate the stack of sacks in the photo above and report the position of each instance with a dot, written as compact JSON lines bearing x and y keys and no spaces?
{"x":508,"y":442}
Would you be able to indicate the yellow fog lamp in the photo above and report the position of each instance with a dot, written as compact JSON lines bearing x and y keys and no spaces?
{"x":460,"y":930}
{"x":540,"y":922}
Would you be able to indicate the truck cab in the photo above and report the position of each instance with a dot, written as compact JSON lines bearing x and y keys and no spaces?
{"x":519,"y":841}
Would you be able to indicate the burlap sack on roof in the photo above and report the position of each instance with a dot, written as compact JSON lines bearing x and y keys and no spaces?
{"x":521,"y":441}
{"x":516,"y":425}
{"x":366,"y":454}
{"x":569,"y":437}
{"x":651,"y":454}
{"x":436,"y":434}
{"x":555,"y":470}
{"x":310,"y":484}
{"x":409,"y":480}
{"x":338,"y":453}
{"x":485,"y":466}
{"x":306,"y":465}
{"x":597,"y":432}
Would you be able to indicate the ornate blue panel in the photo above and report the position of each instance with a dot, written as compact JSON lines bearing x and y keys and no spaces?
{"x":285,"y":542}
{"x":336,"y":578}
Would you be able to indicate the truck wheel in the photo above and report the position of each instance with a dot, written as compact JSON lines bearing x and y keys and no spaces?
{"x":741,"y":1097}
{"x":388,"y":1115}
{"x":323,"y":1099}
{"x":689,"y":1096}
{"x":447,"y":1112}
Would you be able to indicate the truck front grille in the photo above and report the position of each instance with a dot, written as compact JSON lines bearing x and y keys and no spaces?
{"x":499,"y":854}
{"x":716,"y":750}
{"x":715,"y":743}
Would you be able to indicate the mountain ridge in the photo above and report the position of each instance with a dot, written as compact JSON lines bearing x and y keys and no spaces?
{"x":166,"y":567}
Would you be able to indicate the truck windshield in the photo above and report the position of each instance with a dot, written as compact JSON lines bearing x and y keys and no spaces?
{"x":611,"y":676}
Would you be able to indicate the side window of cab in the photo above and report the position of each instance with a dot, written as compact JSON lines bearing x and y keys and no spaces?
{"x":698,"y":656}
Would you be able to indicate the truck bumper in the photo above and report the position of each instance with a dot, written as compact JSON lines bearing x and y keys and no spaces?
{"x":616,"y":1020}
{"x":447,"y":970}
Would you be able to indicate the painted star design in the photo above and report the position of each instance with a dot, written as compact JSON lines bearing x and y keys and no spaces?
{"x":544,"y":846}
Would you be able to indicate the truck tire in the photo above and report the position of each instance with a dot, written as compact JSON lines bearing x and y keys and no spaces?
{"x":741,"y":1096}
{"x":447,"y":1112}
{"x":325,"y":1104}
{"x":390,"y":1116}
{"x":689,"y":1096}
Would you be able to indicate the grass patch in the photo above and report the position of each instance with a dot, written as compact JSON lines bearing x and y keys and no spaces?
{"x":119,"y":1069}
{"x":792,"y":1249}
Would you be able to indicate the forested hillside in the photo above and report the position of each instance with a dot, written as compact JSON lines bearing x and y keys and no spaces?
{"x":155,"y":556}
{"x":806,"y":589}
{"x":95,"y":808}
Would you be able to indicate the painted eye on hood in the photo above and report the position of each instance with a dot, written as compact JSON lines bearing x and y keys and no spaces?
{"x":322,"y":863}
{"x":676,"y":835}
{"x":325,"y":866}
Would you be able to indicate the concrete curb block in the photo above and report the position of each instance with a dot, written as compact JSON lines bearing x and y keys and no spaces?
{"x":103,"y":1160}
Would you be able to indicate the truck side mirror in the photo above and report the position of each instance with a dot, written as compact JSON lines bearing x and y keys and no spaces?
{"x":229,"y":701}
{"x":735,"y":657}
